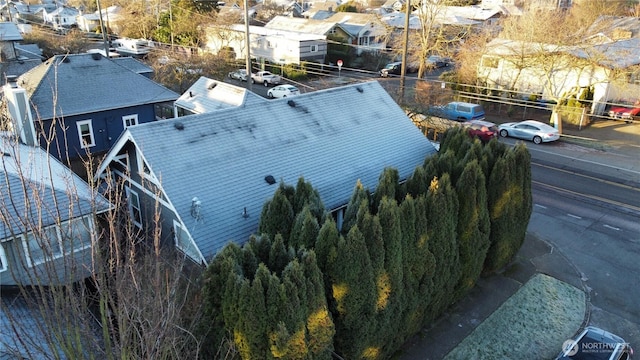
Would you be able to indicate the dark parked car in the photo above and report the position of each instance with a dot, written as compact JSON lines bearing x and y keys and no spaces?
{"x":597,"y":344}
{"x":435,"y":61}
{"x":483,"y":130}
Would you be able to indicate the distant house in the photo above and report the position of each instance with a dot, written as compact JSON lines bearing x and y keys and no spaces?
{"x":83,"y":102}
{"x":274,"y":45}
{"x":16,"y":58}
{"x":61,"y":17}
{"x":364,"y":31}
{"x":223,"y":165}
{"x":91,"y":22}
{"x":207,"y":95}
{"x":611,"y":69}
{"x":47,"y":218}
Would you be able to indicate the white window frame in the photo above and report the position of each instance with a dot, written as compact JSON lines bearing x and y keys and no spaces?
{"x":313,"y":48}
{"x":83,"y":143}
{"x":193,"y":254}
{"x":132,"y":197}
{"x":4,"y":266}
{"x":129,"y":120}
{"x":61,"y":250}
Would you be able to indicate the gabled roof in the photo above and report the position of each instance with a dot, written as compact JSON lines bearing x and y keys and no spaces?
{"x":616,"y":54}
{"x":310,"y":26}
{"x":286,"y":33}
{"x":207,"y":95}
{"x":615,"y":27}
{"x":88,"y":83}
{"x":472,"y":12}
{"x":35,"y":184}
{"x":9,"y":32}
{"x":331,"y":137}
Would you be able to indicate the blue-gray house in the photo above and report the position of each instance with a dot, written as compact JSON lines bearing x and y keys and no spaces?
{"x":211,"y":173}
{"x":48,"y":218}
{"x":81,"y":103}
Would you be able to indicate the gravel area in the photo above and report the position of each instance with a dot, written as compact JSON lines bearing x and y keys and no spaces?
{"x":531,"y":324}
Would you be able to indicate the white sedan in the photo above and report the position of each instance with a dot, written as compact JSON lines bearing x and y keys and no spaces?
{"x":240,"y":74}
{"x":282,"y":91}
{"x":533,"y":130}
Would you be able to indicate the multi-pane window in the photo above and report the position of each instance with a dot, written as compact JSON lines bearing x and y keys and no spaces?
{"x":134,"y":207}
{"x":184,"y":242}
{"x":54,"y":241}
{"x":130,"y":120}
{"x":314,"y":48}
{"x":85,"y":132}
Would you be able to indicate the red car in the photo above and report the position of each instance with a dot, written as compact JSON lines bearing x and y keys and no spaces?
{"x":628,"y":114}
{"x":483,"y":130}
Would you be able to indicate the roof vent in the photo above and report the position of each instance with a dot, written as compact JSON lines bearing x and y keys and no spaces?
{"x":270,"y":179}
{"x":213,"y":84}
{"x":96,"y":56}
{"x":291,"y":103}
{"x":178,"y":125}
{"x":190,"y":94}
{"x":360,"y":89}
{"x":12,"y":80}
{"x":196,"y":205}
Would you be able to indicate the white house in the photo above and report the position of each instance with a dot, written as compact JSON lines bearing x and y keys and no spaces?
{"x":609,"y":68}
{"x":274,"y":45}
{"x":64,"y":17}
{"x":364,"y":31}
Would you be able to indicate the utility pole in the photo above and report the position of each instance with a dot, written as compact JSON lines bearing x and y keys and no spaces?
{"x":103,"y":30}
{"x":247,"y":37}
{"x":403,"y":70}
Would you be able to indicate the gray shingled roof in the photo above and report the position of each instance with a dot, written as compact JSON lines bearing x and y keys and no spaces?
{"x":209,"y":95}
{"x":330,"y":137}
{"x":88,"y":83}
{"x":132,"y":64}
{"x":9,"y":32}
{"x":37,"y":187}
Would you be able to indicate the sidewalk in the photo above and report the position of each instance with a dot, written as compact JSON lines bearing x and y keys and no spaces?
{"x":605,"y":147}
{"x":456,"y":324}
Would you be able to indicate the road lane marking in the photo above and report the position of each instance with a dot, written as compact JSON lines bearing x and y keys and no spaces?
{"x":574,"y":216}
{"x":611,"y":227}
{"x":593,"y":197}
{"x":589,"y":161}
{"x":540,"y":206}
{"x":588,"y":177}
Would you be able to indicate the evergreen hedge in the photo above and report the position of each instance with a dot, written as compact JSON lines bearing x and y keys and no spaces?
{"x":303,"y":289}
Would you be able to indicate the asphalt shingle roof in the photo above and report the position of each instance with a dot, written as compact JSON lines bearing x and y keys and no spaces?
{"x":332,"y":138}
{"x":36,"y":187}
{"x":88,"y":83}
{"x":209,"y":95}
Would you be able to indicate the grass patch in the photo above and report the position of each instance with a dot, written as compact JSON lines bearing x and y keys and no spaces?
{"x":531,"y":324}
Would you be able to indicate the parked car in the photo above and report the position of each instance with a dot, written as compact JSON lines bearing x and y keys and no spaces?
{"x":282,"y":91}
{"x":483,"y":130}
{"x":458,"y":111}
{"x":266,"y":78}
{"x":435,"y":61}
{"x":395,"y":68}
{"x":595,"y":343}
{"x":628,"y":114}
{"x":533,"y":130}
{"x":240,"y":74}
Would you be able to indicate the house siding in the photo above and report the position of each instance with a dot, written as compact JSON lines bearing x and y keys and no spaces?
{"x":69,"y":267}
{"x":107,"y":127}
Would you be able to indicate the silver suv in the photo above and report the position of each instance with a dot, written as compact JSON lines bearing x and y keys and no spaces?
{"x":597,"y":344}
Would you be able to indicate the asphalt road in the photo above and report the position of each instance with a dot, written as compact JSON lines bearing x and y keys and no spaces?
{"x":589,"y":212}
